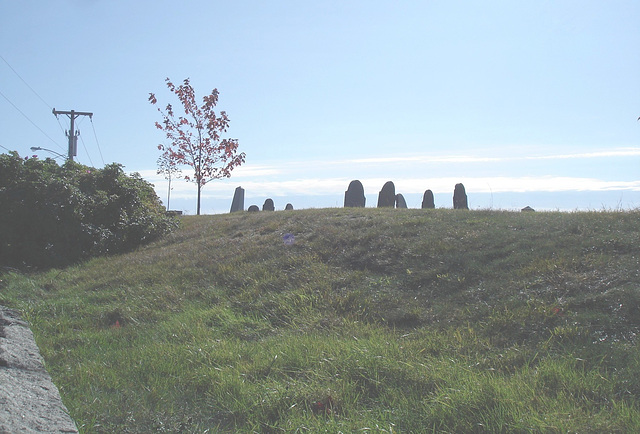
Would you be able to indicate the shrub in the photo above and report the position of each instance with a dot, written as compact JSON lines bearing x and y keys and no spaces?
{"x":52,"y":215}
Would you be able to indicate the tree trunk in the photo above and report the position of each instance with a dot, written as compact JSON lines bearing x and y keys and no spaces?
{"x":169,"y":193}
{"x":198,"y":211}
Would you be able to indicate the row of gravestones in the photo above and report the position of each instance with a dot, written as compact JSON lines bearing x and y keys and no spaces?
{"x":268,"y":206}
{"x":387,"y":198}
{"x":237,"y":204}
{"x":354,"y":197}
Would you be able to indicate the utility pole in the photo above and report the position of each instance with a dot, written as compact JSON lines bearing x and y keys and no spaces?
{"x":72,"y":134}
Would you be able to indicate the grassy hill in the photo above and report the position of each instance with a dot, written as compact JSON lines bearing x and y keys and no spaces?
{"x":372,"y":320}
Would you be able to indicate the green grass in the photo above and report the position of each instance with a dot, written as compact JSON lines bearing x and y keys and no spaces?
{"x":375,"y":320}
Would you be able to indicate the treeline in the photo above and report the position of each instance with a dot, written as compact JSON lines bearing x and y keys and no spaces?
{"x":54,"y":215}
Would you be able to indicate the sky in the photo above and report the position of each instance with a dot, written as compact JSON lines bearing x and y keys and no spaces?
{"x":527,"y":103}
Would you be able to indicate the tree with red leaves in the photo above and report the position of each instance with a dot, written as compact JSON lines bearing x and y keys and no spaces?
{"x":195,"y":137}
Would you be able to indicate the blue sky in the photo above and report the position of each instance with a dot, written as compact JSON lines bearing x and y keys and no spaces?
{"x":524,"y":102}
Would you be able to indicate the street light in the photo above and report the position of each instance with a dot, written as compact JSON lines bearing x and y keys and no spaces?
{"x":37,"y":148}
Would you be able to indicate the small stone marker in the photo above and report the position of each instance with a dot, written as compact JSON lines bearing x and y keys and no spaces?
{"x":354,"y":196}
{"x":460,"y":197}
{"x":387,"y":196}
{"x":400,"y":202}
{"x":527,"y":209}
{"x":288,"y":239}
{"x":268,"y":205}
{"x":427,"y":200}
{"x":253,"y":208}
{"x":289,"y":207}
{"x":238,"y":200}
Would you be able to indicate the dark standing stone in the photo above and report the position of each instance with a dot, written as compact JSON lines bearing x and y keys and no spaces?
{"x":387,"y":196}
{"x":238,"y":200}
{"x":427,"y":200}
{"x":527,"y":209}
{"x":460,"y":197}
{"x":289,"y":207}
{"x":268,"y":205}
{"x":254,"y":208}
{"x":354,"y":196}
{"x":400,"y":202}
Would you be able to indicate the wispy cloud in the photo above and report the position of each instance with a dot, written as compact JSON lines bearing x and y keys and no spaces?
{"x":326,"y":177}
{"x":249,"y":170}
{"x":424,"y":159}
{"x":401,"y":162}
{"x":286,"y":168}
{"x":621,"y":152}
{"x":549,"y":184}
{"x":337,"y":186}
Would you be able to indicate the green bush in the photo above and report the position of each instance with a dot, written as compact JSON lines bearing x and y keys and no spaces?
{"x":52,"y":215}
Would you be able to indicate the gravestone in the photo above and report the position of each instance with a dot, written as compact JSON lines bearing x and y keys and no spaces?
{"x":289,"y":207}
{"x":387,"y":196}
{"x":253,"y":208}
{"x":427,"y":200}
{"x":268,"y":205}
{"x":238,"y":200}
{"x":460,"y":197}
{"x":400,"y":202}
{"x":354,"y":196}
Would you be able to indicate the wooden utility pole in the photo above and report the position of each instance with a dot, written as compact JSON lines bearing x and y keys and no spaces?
{"x":72,"y":134}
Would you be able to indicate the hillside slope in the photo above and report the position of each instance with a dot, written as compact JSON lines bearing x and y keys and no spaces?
{"x":345,"y":319}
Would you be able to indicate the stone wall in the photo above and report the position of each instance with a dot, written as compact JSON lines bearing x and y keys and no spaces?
{"x":29,"y":401}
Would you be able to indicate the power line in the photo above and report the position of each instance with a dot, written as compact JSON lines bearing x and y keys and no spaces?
{"x":49,"y":106}
{"x":61,"y":127}
{"x":35,"y":93}
{"x":27,"y":117}
{"x":96,"y":136}
{"x":85,"y":150}
{"x":26,"y":84}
